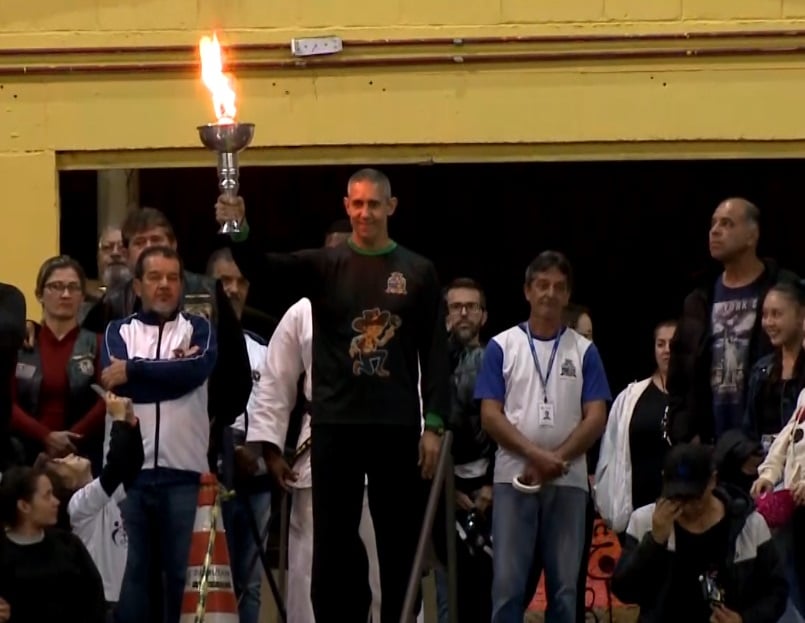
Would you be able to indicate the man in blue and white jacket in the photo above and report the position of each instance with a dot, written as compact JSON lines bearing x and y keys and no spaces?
{"x":161,"y":358}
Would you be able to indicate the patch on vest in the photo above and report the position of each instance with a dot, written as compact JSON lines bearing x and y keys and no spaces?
{"x":567,"y":369}
{"x":198,"y":304}
{"x":86,"y":366}
{"x":25,"y":371}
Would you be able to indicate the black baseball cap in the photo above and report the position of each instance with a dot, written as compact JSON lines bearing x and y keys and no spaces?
{"x":733,"y":449}
{"x":687,"y":471}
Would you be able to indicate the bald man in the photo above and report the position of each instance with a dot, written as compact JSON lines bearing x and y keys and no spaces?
{"x":719,"y":336}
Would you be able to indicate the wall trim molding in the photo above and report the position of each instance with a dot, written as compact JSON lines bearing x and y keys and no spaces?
{"x":417,"y":52}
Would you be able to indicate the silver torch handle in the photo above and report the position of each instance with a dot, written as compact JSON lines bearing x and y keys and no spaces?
{"x":228,"y":184}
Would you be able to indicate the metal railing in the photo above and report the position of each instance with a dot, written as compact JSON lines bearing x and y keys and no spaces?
{"x":442,"y":481}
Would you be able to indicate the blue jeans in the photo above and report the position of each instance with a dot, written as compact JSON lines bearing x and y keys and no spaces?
{"x":159,"y":512}
{"x":550,"y":522}
{"x":442,"y":608}
{"x":246,"y":566}
{"x":784,"y":540}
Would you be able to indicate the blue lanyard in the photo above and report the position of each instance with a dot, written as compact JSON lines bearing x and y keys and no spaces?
{"x":543,"y":378}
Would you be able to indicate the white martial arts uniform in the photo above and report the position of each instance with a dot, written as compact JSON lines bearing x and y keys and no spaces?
{"x":289,"y":355}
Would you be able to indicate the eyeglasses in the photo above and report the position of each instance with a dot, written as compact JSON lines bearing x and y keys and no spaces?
{"x":57,"y":287}
{"x":457,"y":308}
{"x":108,"y":247}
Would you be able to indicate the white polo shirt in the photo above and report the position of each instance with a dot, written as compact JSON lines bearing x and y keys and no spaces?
{"x":509,"y":375}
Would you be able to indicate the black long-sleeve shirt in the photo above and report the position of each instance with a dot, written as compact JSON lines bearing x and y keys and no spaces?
{"x":377,"y":318}
{"x":51,"y":580}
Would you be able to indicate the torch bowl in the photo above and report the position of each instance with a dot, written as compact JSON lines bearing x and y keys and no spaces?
{"x":226,"y":137}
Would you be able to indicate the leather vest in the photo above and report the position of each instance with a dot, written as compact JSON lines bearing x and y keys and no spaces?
{"x":80,"y":375}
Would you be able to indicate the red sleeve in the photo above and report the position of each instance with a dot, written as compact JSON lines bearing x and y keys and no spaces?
{"x":25,"y":424}
{"x":93,"y":420}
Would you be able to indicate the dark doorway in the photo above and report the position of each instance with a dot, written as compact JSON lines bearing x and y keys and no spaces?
{"x":636,"y":232}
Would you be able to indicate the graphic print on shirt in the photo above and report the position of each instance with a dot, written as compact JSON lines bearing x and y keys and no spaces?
{"x":119,"y":535}
{"x":567,"y":370}
{"x":375,"y":329}
{"x":733,"y":322}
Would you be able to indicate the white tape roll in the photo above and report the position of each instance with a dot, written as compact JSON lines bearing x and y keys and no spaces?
{"x":524,"y":488}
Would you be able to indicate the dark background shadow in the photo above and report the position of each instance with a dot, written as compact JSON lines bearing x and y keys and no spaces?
{"x":636,"y":232}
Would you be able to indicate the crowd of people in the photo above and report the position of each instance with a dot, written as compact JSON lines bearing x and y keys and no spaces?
{"x":332,"y":374}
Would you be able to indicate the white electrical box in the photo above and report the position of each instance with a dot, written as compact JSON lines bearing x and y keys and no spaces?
{"x":315,"y":46}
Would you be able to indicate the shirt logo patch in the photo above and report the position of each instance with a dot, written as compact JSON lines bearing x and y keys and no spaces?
{"x":375,"y":329}
{"x":567,"y":369}
{"x":396,"y":284}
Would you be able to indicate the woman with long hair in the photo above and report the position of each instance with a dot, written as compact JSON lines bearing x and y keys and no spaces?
{"x":629,"y":472}
{"x":777,"y":379}
{"x":46,"y":574}
{"x":775,"y":384}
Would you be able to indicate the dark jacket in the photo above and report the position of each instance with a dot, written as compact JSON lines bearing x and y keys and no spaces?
{"x":690,"y":395}
{"x":470,"y":441}
{"x":751,"y":576}
{"x":768,"y":396}
{"x":231,"y":381}
{"x":12,"y":335}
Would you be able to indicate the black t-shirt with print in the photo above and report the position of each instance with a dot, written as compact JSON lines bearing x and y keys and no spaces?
{"x":377,"y":318}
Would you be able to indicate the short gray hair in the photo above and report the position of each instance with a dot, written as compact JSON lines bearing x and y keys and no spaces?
{"x":378,"y":178}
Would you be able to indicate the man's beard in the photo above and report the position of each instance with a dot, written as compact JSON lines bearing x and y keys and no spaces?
{"x":116,"y":275}
{"x":464,"y":335}
{"x":236,"y":303}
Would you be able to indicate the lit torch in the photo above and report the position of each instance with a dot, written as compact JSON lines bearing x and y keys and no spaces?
{"x":226,"y":137}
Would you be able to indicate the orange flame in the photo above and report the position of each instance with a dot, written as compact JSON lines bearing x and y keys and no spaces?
{"x":217,"y":82}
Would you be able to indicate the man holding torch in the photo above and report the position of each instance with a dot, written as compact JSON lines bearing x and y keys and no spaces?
{"x":377,"y":313}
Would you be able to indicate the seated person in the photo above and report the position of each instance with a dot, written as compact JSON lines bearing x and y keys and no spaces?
{"x":46,"y":574}
{"x":702,"y":553}
{"x":92,"y":504}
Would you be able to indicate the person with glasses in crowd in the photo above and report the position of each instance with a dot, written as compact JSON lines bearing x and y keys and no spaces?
{"x":55,"y":409}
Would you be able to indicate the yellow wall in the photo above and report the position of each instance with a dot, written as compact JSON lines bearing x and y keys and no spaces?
{"x":730,"y":105}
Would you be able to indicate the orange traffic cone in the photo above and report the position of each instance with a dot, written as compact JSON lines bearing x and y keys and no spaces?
{"x":208,"y":594}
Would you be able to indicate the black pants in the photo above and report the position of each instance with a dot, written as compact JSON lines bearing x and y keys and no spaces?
{"x":473,"y":568}
{"x":341,"y":456}
{"x":581,"y":587}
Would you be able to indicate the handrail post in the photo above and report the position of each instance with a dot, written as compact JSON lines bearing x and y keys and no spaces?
{"x":284,"y":536}
{"x":415,"y":579}
{"x":450,"y":526}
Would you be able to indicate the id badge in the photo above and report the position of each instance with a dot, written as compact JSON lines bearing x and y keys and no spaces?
{"x":546,"y":414}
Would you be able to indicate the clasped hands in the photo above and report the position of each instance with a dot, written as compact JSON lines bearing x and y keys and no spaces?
{"x":543,"y":466}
